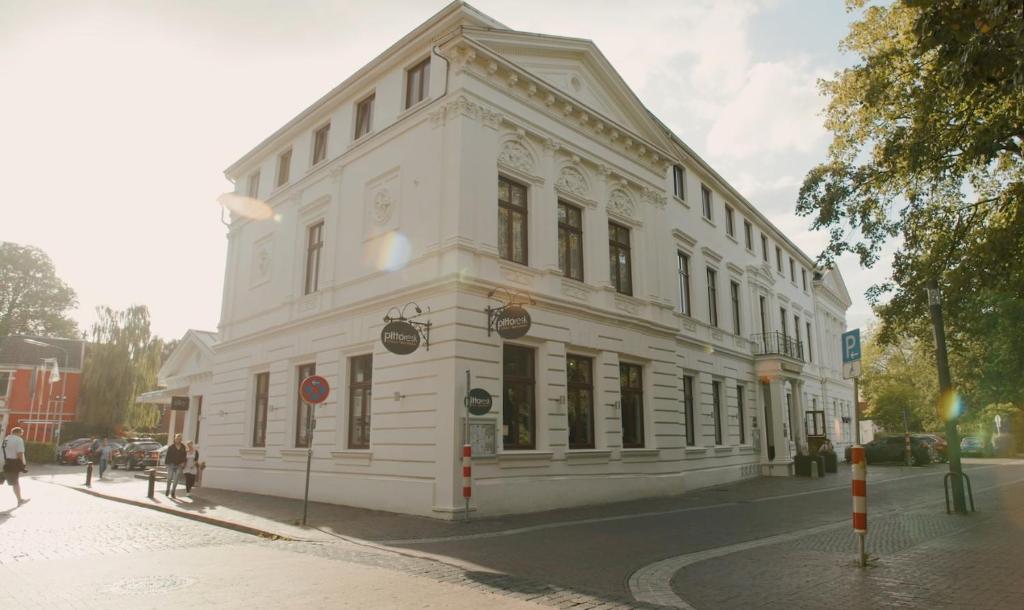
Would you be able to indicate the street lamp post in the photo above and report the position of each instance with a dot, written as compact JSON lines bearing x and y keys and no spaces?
{"x":946,"y":396}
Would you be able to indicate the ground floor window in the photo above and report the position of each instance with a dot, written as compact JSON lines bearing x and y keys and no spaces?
{"x":691,"y":422}
{"x":740,"y":408}
{"x":360,"y":384}
{"x":518,"y":412}
{"x":716,"y":409}
{"x":261,"y":397}
{"x":631,"y":384}
{"x":580,"y":388}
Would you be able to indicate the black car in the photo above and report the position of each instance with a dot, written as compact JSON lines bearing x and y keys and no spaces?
{"x":135,"y":455}
{"x":892,"y":448}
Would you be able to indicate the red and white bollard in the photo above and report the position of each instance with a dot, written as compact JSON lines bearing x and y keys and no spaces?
{"x":860,"y":498}
{"x":467,"y":475}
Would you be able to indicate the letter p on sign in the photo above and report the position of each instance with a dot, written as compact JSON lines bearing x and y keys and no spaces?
{"x":851,"y":345}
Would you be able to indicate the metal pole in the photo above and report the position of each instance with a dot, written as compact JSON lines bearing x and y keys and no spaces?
{"x":946,"y":395}
{"x":856,"y":412}
{"x":310,"y":426}
{"x":906,"y":438}
{"x":465,"y":434}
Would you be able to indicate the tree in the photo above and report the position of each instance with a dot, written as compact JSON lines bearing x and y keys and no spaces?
{"x":898,"y":377}
{"x":33,"y":300}
{"x":122,"y":361}
{"x":928,"y":130}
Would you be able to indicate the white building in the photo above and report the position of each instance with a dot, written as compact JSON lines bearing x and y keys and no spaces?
{"x":672,"y":323}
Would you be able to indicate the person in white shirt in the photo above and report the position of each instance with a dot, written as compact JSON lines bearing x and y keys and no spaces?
{"x":14,"y":461}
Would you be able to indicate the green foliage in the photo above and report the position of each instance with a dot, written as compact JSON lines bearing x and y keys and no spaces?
{"x":33,"y":300}
{"x":928,"y":129}
{"x":122,"y":362}
{"x":40,"y":453}
{"x":896,"y":377}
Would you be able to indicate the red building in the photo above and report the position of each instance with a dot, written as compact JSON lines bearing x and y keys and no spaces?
{"x":40,"y":381}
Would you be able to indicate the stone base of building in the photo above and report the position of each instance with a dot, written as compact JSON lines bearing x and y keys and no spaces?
{"x":778,"y":468}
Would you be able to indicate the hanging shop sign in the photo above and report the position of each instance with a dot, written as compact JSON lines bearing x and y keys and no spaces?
{"x":511,"y":320}
{"x":401,"y":334}
{"x":479,"y":401}
{"x":179,"y":403}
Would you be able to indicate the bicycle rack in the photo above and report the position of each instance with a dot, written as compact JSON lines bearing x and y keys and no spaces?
{"x":945,"y":486}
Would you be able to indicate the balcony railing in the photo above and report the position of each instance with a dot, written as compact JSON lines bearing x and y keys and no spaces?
{"x":778,"y":343}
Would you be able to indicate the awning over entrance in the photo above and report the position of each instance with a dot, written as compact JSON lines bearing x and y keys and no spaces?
{"x":160,"y":397}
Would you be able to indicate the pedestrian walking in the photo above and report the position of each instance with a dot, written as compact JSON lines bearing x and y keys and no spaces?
{"x":105,"y":451}
{"x":175,"y":462}
{"x":13,"y":450}
{"x":191,"y":466}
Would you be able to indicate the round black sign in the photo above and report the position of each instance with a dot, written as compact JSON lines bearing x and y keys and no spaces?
{"x":400,"y":337}
{"x":513,"y":322}
{"x":479,"y":401}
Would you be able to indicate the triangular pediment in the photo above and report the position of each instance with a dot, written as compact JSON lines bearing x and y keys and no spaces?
{"x":578,"y":69}
{"x":834,"y":282}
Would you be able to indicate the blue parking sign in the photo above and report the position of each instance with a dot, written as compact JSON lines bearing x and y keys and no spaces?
{"x":851,"y":345}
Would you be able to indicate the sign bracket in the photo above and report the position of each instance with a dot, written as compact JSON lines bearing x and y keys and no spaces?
{"x":514,"y":299}
{"x":423,"y":328}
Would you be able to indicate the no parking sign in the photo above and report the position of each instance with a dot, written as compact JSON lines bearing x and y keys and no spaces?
{"x":314,"y":389}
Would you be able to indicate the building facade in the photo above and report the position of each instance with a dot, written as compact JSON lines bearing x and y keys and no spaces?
{"x":40,"y":382}
{"x":185,"y":380}
{"x":678,"y":339}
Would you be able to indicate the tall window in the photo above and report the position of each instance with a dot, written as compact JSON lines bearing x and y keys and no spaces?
{"x":631,"y":384}
{"x":417,"y":83}
{"x":684,"y":283}
{"x":259,"y":422}
{"x":679,"y":181}
{"x":570,"y":241}
{"x":619,"y":257}
{"x":5,"y":383}
{"x":748,"y":235}
{"x":314,"y":244}
{"x":518,"y":413}
{"x":764,"y":315}
{"x":364,"y":116}
{"x":691,"y":422}
{"x":512,"y":238}
{"x":580,"y":387}
{"x":712,"y":297}
{"x":782,"y":317}
{"x":803,"y":278}
{"x":730,"y":222}
{"x":320,"y":143}
{"x":796,"y":333}
{"x":705,"y":201}
{"x":764,"y":247}
{"x":360,"y":384}
{"x":741,"y":414}
{"x":792,"y":270}
{"x":303,"y":410}
{"x":734,"y":295}
{"x":810,"y":352}
{"x":284,"y":167}
{"x":778,"y":258}
{"x":254,"y":185}
{"x":716,"y":409}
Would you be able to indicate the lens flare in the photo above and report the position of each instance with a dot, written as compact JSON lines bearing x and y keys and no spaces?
{"x":951,"y":405}
{"x":246,"y":207}
{"x":390,"y":252}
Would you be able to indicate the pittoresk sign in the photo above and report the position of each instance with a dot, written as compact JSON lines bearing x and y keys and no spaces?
{"x":513,"y":322}
{"x":400,"y":337}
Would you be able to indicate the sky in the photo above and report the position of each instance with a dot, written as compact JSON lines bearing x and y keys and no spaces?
{"x":118,"y":118}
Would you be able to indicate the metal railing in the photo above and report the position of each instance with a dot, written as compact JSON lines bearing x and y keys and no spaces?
{"x":777,"y":343}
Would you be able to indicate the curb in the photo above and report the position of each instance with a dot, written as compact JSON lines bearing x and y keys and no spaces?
{"x":231,"y":525}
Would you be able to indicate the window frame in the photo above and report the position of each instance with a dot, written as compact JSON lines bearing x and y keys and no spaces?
{"x":803,"y":277}
{"x":778,"y":259}
{"x":712,"y":278}
{"x":284,"y":168}
{"x":638,"y":408}
{"x":578,"y":389}
{"x":683,"y":267}
{"x":514,"y":211}
{"x":792,"y":270}
{"x":5,"y":388}
{"x":764,"y":247}
{"x":507,"y":416}
{"x":365,"y":389}
{"x":615,"y":249}
{"x":679,"y":182}
{"x":261,"y":403}
{"x":716,"y":410}
{"x":420,"y":70}
{"x":321,"y":137}
{"x":734,"y":296}
{"x":707,"y":203}
{"x":688,"y":411}
{"x":253,"y":186}
{"x":565,"y":249}
{"x":303,"y":409}
{"x":360,"y":128}
{"x":748,"y":235}
{"x":810,"y":350}
{"x":730,"y":221}
{"x":314,"y":254}
{"x":740,"y":408}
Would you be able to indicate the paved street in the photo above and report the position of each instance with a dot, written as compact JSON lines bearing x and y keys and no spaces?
{"x":765,"y":542}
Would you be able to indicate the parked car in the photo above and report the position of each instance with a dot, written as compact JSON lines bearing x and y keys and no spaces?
{"x":939,"y":444}
{"x":135,"y":455}
{"x":76,"y":452}
{"x":63,"y":447}
{"x":892,"y":448}
{"x":972,"y":446}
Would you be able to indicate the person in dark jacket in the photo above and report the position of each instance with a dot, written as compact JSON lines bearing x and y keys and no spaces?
{"x":175,"y":464}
